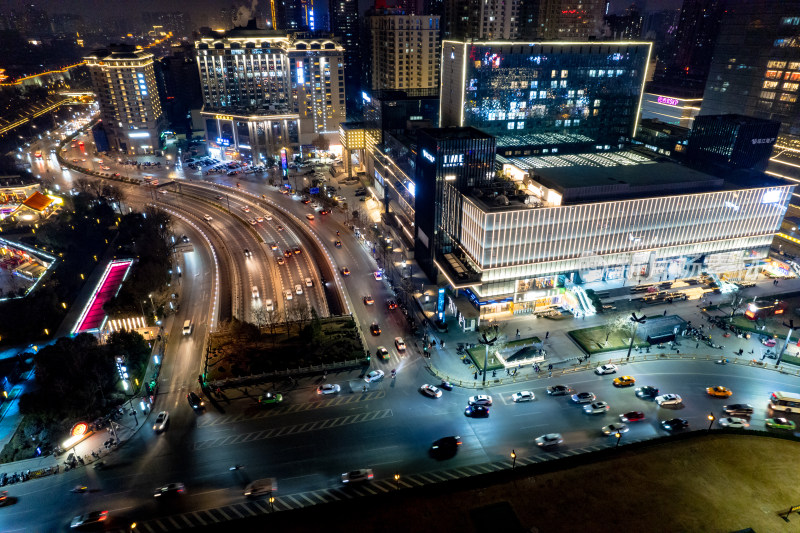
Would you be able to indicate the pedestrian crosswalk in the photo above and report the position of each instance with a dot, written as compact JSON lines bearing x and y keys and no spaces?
{"x":292,"y":430}
{"x":289,"y":408}
{"x":285,"y":502}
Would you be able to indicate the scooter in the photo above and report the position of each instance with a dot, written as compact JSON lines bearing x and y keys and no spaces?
{"x":722,"y":361}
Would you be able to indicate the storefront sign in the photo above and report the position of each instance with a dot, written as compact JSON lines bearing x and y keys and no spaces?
{"x":427,"y":155}
{"x":222,"y":141}
{"x":763,"y":141}
{"x":668,"y":101}
{"x":223,"y":117}
{"x":453,"y":160}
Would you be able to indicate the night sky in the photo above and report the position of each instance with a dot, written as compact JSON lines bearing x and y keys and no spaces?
{"x":112,"y":7}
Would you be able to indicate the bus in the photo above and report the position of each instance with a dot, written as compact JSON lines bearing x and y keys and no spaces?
{"x":785,"y":401}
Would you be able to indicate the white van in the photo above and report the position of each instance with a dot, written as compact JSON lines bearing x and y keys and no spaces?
{"x":268,"y":305}
{"x":309,"y":283}
{"x":208,"y":218}
{"x":187,"y":327}
{"x":260,"y":487}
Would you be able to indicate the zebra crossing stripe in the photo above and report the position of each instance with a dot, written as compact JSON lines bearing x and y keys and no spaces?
{"x":220,"y":511}
{"x":246,"y":508}
{"x":209,"y":516}
{"x":437,"y":476}
{"x":188,"y":522}
{"x":280,"y":503}
{"x":232,"y":509}
{"x":414,"y":480}
{"x":146,"y":525}
{"x":340,"y":494}
{"x":427,"y":480}
{"x":174,"y":523}
{"x":294,"y":501}
{"x":257,"y":505}
{"x":199,"y":519}
{"x":403,"y":483}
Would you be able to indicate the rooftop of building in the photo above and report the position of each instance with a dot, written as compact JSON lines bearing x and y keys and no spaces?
{"x":538,"y":139}
{"x":351,"y":125}
{"x":408,"y":94}
{"x":118,"y":52}
{"x":446,"y":134}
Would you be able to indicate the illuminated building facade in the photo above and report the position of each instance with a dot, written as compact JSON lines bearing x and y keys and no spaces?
{"x":732,"y":141}
{"x":670,"y":109}
{"x":266,"y":90}
{"x":592,"y":90}
{"x":481,"y":19}
{"x":566,"y":20}
{"x":130,"y":108}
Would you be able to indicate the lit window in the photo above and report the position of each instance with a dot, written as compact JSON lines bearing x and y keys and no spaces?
{"x":510,"y":125}
{"x":521,"y":125}
{"x":563,"y":84}
{"x":568,"y":123}
{"x":558,"y":122}
{"x":776,"y":64}
{"x":542,"y":94}
{"x":773,"y":74}
{"x":592,"y":73}
{"x":601,"y":73}
{"x":788,"y":98}
{"x":564,"y":73}
{"x":790,"y":86}
{"x":770,"y":84}
{"x":532,"y":95}
{"x":767,"y":95}
{"x":597,"y":103}
{"x":554,"y":84}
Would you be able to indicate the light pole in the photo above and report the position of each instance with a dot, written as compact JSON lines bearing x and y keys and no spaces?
{"x":271,"y":504}
{"x":513,"y":459}
{"x":619,"y":436}
{"x":636,"y":322}
{"x":711,"y":419}
{"x":483,"y":339}
{"x":790,"y":325}
{"x":397,"y":481}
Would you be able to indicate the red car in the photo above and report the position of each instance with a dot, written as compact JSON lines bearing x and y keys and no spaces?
{"x":632,"y":416}
{"x":391,"y":304}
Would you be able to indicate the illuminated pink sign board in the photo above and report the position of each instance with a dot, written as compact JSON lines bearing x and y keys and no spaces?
{"x":667,"y":100}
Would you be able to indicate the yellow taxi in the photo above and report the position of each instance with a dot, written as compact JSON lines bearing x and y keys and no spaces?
{"x":624,"y":381}
{"x":719,"y":392}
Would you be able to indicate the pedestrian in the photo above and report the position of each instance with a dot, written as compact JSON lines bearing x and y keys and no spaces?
{"x":697,"y":346}
{"x":475,"y":375}
{"x":442,"y":344}
{"x":506,"y":371}
{"x":550,"y":366}
{"x":678,"y":352}
{"x":550,"y":374}
{"x":547,"y":334}
{"x":518,"y":333}
{"x":665,"y":312}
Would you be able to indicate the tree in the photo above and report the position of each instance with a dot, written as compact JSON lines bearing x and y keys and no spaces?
{"x":622,"y":324}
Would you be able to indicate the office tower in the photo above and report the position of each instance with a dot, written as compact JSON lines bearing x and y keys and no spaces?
{"x":264,"y":90}
{"x":481,"y":19}
{"x":627,"y":26}
{"x":299,"y":15}
{"x":405,"y":50}
{"x":756,"y":66}
{"x":130,"y":109}
{"x":732,"y":141}
{"x":566,"y":20}
{"x":544,"y":93}
{"x":343,"y":16}
{"x":181,"y":87}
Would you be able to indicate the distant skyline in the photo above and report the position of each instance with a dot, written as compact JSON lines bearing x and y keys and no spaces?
{"x":196,"y":8}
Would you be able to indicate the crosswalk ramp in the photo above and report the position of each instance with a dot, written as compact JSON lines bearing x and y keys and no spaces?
{"x":275,"y":410}
{"x":285,"y":502}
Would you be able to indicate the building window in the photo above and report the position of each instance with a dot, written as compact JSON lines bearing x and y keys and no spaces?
{"x":564,"y":73}
{"x":790,"y":86}
{"x":767,"y":95}
{"x":770,"y":84}
{"x":788,"y":98}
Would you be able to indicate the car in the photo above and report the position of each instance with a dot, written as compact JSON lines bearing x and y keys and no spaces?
{"x":596,"y":408}
{"x":259,"y":219}
{"x":616,"y":427}
{"x":733,"y":422}
{"x":270,"y":398}
{"x":345,"y":271}
{"x":268,"y":218}
{"x":254,"y":291}
{"x":269,"y":305}
{"x":328,"y":388}
{"x":400,"y":344}
{"x":287,"y":294}
{"x":309,"y":283}
{"x":476,"y":411}
{"x":446,"y":446}
{"x":368,"y":300}
{"x":253,"y":222}
{"x":324,"y":212}
{"x":719,"y":392}
{"x":769,"y":343}
{"x":279,"y":227}
{"x":337,"y":243}
{"x":559,"y":390}
{"x":624,"y":381}
{"x":605,"y":369}
{"x":669,"y":399}
{"x":632,"y":416}
{"x":220,"y":197}
{"x":675,"y":424}
{"x":297,"y":250}
{"x":391,"y":304}
{"x":170,"y":490}
{"x":378,"y":275}
{"x":4,"y":499}
{"x":375,"y":375}
{"x":446,"y":385}
{"x":357,"y":476}
{"x":195,"y":401}
{"x":584,"y":397}
{"x":184,"y":238}
{"x":298,"y":289}
{"x":480,"y":399}
{"x":246,"y":209}
{"x":647,"y":392}
{"x":162,"y":419}
{"x":375,"y":329}
{"x":274,"y":246}
{"x":207,"y":218}
{"x":549,"y":439}
{"x":738,"y":409}
{"x":780,"y":423}
{"x":382,"y":352}
{"x":430,"y":390}
{"x":304,"y":200}
{"x":89,"y":519}
{"x":310,"y":216}
{"x":523,"y":396}
{"x":248,"y":253}
{"x":287,"y":253}
{"x":281,"y":260}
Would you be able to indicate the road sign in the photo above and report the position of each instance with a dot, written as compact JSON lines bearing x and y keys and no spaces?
{"x":314,"y":190}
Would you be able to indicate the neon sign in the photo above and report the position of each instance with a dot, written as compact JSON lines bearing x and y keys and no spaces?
{"x":668,"y":101}
{"x":427,"y":155}
{"x":453,"y":160}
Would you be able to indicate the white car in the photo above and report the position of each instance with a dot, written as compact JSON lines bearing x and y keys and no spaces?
{"x":480,"y":399}
{"x":298,"y":289}
{"x":375,"y":375}
{"x":208,"y":218}
{"x":550,"y":439}
{"x":268,"y":218}
{"x":328,"y":388}
{"x":161,"y":421}
{"x":357,"y":476}
{"x":616,"y":427}
{"x":523,"y":396}
{"x":287,"y":294}
{"x":400,"y":344}
{"x":309,"y":283}
{"x":254,"y":290}
{"x":430,"y":390}
{"x":669,"y":399}
{"x":605,"y":369}
{"x":596,"y":408}
{"x":269,"y":305}
{"x":733,"y":422}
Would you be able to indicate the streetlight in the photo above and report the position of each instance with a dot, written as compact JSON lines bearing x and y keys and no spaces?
{"x":271,"y":503}
{"x":397,"y":481}
{"x":711,"y":419}
{"x":636,"y":321}
{"x":790,"y":325}
{"x":513,"y":459}
{"x":483,"y":339}
{"x":619,"y":436}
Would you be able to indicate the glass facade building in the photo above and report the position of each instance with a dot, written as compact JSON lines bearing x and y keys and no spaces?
{"x":515,"y":88}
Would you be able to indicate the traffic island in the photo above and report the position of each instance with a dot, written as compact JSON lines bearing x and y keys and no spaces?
{"x":601,"y":339}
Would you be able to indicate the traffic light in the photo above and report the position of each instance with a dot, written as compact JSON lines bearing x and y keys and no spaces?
{"x":368,"y":356}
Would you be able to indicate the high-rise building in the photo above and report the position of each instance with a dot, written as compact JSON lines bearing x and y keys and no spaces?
{"x":405,"y":50}
{"x":756,"y":66}
{"x":540,"y":96}
{"x":481,"y":19}
{"x":732,"y":141}
{"x":124,"y":81}
{"x":300,"y":15}
{"x":264,"y":90}
{"x":566,"y":20}
{"x":627,"y":26}
{"x":177,"y":22}
{"x":181,"y":87}
{"x":343,"y":16}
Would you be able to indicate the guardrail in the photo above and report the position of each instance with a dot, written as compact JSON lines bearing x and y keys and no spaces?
{"x":289,"y":372}
{"x":524,"y":378}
